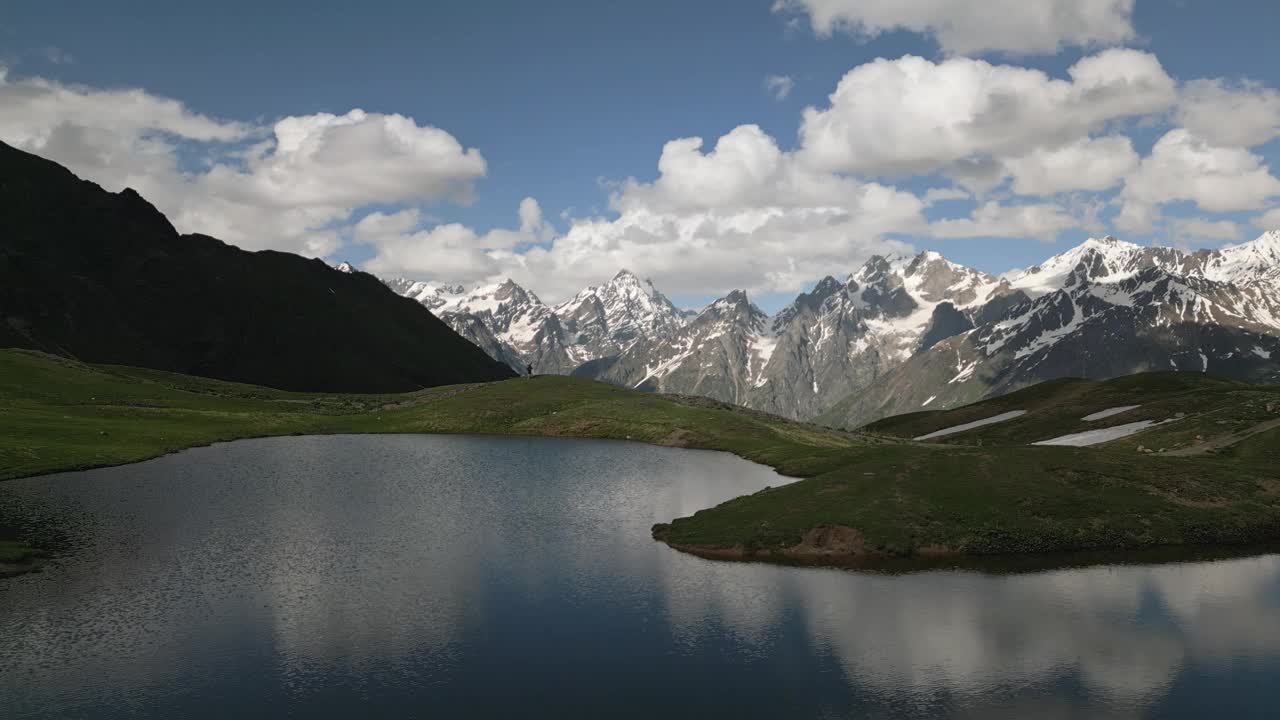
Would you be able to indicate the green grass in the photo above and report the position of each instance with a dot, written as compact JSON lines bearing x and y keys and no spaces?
{"x":58,"y":415}
{"x":905,"y":498}
{"x":1196,"y":404}
{"x":987,"y":491}
{"x":900,"y":497}
{"x":1262,"y":450}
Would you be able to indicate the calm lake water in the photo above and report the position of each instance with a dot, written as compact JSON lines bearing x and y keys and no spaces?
{"x":418,"y":576}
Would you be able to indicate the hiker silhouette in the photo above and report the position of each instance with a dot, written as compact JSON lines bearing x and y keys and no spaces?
{"x":529,"y":368}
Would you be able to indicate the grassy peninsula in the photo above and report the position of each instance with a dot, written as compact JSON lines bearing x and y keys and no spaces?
{"x":865,"y":495}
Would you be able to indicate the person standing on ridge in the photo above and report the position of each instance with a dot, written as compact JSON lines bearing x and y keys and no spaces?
{"x":529,"y":370}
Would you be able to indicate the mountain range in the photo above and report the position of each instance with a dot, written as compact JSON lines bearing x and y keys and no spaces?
{"x":514,"y":326}
{"x":900,"y":334}
{"x":104,"y":277}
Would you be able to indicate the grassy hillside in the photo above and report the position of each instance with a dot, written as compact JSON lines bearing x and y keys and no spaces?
{"x":867,"y":495}
{"x":57,"y":414}
{"x":908,"y":499}
{"x":1191,"y":405}
{"x":1208,"y":475}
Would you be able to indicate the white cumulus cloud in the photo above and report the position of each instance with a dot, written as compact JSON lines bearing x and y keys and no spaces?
{"x":1087,"y":164}
{"x":742,"y":214}
{"x":284,"y":190}
{"x":1269,"y":220}
{"x":969,"y":26}
{"x":1042,"y":221}
{"x":351,"y":160}
{"x":915,"y":116}
{"x":1005,"y":151}
{"x":1190,"y":230}
{"x":1183,"y":166}
{"x":34,"y":111}
{"x":1244,"y":114}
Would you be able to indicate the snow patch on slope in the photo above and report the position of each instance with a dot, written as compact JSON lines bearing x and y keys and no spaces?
{"x":1096,"y":437}
{"x":965,"y":373}
{"x":1002,"y":417}
{"x":1109,"y":412}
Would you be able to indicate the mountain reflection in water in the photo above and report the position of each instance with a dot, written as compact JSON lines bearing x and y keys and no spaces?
{"x":465,"y":576}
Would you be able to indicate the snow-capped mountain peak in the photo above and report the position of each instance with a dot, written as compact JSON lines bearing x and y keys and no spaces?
{"x":1269,"y":240}
{"x":626,"y":285}
{"x":625,"y":276}
{"x":928,"y":275}
{"x":430,"y":294}
{"x":502,"y":301}
{"x":734,"y":300}
{"x":896,"y":298}
{"x":606,"y":319}
{"x":734,"y":309}
{"x":826,"y":286}
{"x":877,"y":269}
{"x":811,"y":301}
{"x":721,"y":352}
{"x":935,"y":279}
{"x":901,"y":330}
{"x":1256,"y":260}
{"x":1096,"y":259}
{"x":1108,"y":261}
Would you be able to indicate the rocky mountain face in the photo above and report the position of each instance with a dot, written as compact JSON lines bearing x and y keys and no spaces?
{"x":606,"y":320}
{"x":835,"y":340}
{"x":719,"y":353}
{"x":509,"y":322}
{"x":517,"y":328}
{"x":902,"y":333}
{"x":1103,"y":309}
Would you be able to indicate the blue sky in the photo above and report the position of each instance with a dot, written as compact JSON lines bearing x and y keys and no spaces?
{"x":565,"y":99}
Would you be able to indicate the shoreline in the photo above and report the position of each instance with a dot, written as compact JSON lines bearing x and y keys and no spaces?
{"x":830,"y":547}
{"x":857,"y":499}
{"x":941,"y":560}
{"x":837,"y":547}
{"x":676,"y":445}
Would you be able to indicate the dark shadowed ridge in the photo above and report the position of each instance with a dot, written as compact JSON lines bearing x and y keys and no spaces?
{"x":105,"y":278}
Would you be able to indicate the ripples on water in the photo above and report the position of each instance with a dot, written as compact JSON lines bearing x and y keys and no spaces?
{"x":490,"y":577}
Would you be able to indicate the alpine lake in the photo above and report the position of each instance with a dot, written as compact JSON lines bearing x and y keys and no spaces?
{"x":485,"y":577}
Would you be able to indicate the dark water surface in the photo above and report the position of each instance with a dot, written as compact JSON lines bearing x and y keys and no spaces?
{"x":418,"y":576}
